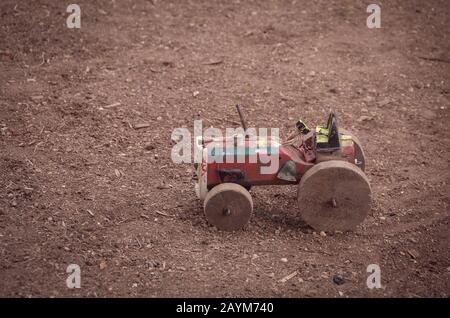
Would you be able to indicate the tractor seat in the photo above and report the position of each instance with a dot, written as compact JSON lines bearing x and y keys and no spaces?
{"x":327,"y":138}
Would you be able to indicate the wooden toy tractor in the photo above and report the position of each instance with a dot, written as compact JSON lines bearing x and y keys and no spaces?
{"x":326,"y":163}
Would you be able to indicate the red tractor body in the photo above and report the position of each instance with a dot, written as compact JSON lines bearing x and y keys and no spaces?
{"x":248,"y":173}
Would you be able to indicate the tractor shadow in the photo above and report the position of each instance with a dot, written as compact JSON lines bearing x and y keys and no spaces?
{"x":277,"y":208}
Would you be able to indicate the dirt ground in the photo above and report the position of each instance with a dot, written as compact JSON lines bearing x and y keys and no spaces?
{"x":79,"y":185}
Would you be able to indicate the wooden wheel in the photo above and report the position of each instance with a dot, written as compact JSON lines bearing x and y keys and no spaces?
{"x":334,"y":195}
{"x":359,"y":152}
{"x":228,"y":206}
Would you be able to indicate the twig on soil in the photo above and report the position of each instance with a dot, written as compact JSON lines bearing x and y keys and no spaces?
{"x":162,"y":213}
{"x":155,"y":71}
{"x":90,"y":212}
{"x":40,"y":143}
{"x":31,"y":162}
{"x":164,"y":186}
{"x":145,"y":216}
{"x":125,"y":220}
{"x":288,"y":277}
{"x":112,"y":105}
{"x":143,"y":125}
{"x":319,"y":252}
{"x":216,"y":62}
{"x":434,"y":59}
{"x":179,"y":48}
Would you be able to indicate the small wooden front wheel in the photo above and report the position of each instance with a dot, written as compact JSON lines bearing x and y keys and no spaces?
{"x":228,"y":206}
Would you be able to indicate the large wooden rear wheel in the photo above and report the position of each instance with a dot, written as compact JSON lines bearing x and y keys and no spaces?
{"x":334,"y":196}
{"x":228,"y":206}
